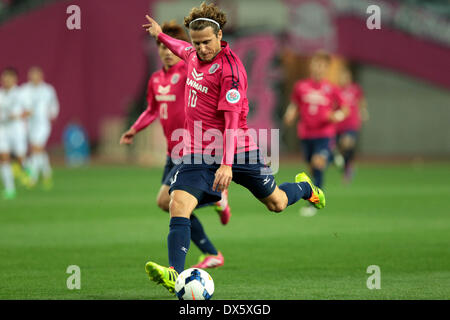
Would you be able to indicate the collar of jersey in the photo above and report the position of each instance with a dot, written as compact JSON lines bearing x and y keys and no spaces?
{"x":225,"y":49}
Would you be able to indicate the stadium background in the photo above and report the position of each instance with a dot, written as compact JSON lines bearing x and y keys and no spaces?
{"x":100,"y":73}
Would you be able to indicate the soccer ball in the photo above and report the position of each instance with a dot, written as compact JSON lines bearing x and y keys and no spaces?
{"x":194,"y":284}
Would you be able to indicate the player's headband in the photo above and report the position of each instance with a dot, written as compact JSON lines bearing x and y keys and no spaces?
{"x":205,"y":19}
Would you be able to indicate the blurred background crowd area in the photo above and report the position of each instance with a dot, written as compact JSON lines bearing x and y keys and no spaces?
{"x":100,"y":72}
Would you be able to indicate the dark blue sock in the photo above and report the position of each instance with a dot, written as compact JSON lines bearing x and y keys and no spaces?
{"x":318,"y":177}
{"x":198,"y":236}
{"x":296,"y":191}
{"x":178,"y":242}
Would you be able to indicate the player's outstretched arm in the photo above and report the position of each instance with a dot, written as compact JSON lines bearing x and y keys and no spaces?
{"x":145,"y":119}
{"x":178,"y":47}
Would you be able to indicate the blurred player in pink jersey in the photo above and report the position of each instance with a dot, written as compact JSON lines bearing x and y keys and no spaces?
{"x":165,"y":97}
{"x":347,"y":131}
{"x":318,"y":104}
{"x":215,"y":129}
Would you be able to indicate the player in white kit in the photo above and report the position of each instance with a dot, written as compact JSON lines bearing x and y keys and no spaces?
{"x":42,"y":104}
{"x":12,"y":129}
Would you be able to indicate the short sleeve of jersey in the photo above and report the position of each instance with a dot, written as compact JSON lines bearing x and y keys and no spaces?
{"x":232,"y":93}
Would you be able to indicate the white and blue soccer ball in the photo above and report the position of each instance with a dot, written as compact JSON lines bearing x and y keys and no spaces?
{"x":194,"y":284}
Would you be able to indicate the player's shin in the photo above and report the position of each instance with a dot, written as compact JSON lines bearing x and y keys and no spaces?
{"x":318,"y":177}
{"x":178,"y":242}
{"x":200,"y":238}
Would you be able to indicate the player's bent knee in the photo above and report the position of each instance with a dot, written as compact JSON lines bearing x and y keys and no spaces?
{"x":163,"y":198}
{"x":318,"y":162}
{"x":347,"y":142}
{"x":181,"y":204}
{"x":178,"y":209}
{"x":276,"y":202}
{"x":276,"y":207}
{"x":163,"y":202}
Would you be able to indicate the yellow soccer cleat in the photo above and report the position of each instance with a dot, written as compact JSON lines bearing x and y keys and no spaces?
{"x":162,"y":275}
{"x":317,"y":196}
{"x":16,"y":169}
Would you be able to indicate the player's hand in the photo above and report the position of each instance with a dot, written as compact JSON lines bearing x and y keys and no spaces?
{"x":127,"y":137}
{"x":152,"y":27}
{"x":223,"y":178}
{"x":337,"y":116}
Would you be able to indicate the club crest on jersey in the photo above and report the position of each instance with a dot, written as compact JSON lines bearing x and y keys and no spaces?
{"x":233,"y":96}
{"x":214,"y":68}
{"x":175,"y":78}
{"x":197,"y":75}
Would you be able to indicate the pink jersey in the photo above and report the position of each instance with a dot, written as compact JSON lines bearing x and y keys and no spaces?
{"x":315,"y":101}
{"x":351,"y":96}
{"x":165,"y":98}
{"x":211,"y":88}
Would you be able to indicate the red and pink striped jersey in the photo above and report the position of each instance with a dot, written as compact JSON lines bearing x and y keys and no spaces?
{"x":165,"y":98}
{"x":351,"y":96}
{"x":316,"y":100}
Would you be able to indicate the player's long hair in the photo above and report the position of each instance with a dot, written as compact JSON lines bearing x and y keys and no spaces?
{"x":210,"y":11}
{"x":173,"y":29}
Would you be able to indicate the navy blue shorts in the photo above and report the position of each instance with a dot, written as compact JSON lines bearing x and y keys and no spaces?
{"x":197,"y":177}
{"x":351,"y":133}
{"x":320,"y":146}
{"x":169,"y":171}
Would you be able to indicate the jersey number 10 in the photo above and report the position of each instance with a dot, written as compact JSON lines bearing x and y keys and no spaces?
{"x":163,"y":114}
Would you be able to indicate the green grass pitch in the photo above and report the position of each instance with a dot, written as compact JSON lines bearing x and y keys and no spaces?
{"x":105,"y":220}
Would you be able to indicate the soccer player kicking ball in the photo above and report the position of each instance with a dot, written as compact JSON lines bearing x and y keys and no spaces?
{"x":165,"y":98}
{"x":216,"y":99}
{"x":315,"y":100}
{"x":347,"y":131}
